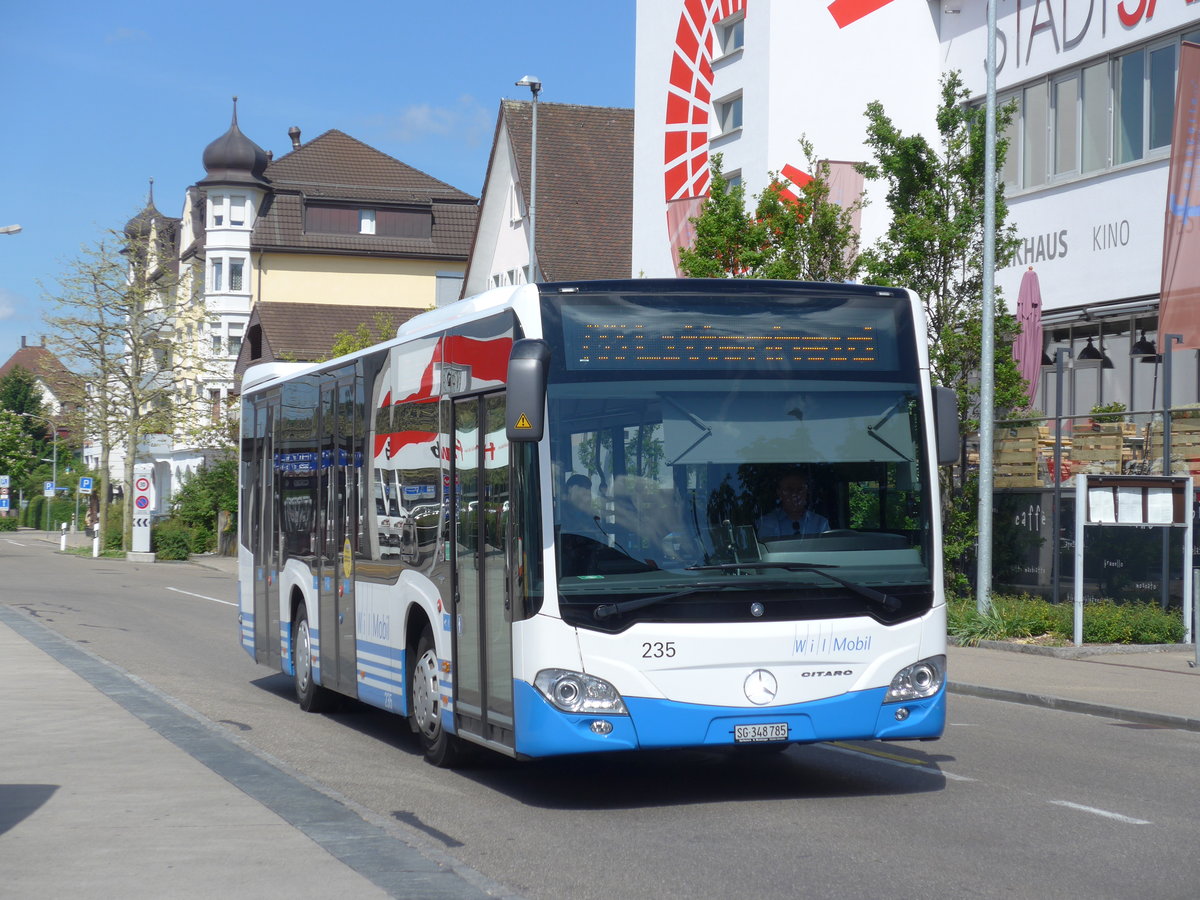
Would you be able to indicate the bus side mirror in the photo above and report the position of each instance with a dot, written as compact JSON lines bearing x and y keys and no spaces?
{"x":525,"y":418}
{"x":945,"y":423}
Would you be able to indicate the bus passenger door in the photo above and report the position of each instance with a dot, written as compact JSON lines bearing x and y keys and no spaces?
{"x":483,"y":700}
{"x":263,"y":539}
{"x":338,"y":490}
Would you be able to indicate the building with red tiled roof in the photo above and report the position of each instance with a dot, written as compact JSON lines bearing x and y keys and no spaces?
{"x":584,"y":197}
{"x":60,"y":388}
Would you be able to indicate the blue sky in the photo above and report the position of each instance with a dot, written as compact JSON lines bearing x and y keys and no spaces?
{"x":101,"y":97}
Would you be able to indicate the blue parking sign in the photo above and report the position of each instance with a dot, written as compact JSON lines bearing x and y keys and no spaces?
{"x":85,"y":485}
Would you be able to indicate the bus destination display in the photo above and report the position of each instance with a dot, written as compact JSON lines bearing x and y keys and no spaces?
{"x":729,"y":342}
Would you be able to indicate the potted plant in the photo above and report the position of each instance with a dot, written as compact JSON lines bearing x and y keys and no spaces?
{"x":1108,"y":413}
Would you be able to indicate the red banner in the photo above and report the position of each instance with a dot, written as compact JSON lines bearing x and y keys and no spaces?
{"x":1179,"y":310}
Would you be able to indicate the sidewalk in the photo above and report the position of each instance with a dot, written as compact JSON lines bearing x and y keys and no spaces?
{"x":109,"y":789}
{"x":1148,"y":686}
{"x":94,"y":802}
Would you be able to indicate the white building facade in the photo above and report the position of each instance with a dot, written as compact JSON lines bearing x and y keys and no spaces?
{"x":1094,"y":85}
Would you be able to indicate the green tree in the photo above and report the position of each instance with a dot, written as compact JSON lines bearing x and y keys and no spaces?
{"x":934,"y":244}
{"x":19,"y":392}
{"x":382,"y":327}
{"x":205,"y":494}
{"x":17,"y":449}
{"x":808,"y":238}
{"x":116,"y":303}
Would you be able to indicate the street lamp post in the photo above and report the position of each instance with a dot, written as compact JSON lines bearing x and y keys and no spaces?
{"x":53,"y":453}
{"x":535,"y":87}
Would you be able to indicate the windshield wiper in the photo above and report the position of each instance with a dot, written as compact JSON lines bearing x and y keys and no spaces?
{"x":887,"y":601}
{"x":873,"y":430}
{"x":607,"y":610}
{"x":705,"y":430}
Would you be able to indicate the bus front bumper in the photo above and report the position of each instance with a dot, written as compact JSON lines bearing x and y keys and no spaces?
{"x":543,"y":730}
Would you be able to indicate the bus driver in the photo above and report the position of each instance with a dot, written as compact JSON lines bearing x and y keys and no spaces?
{"x":792,"y":516}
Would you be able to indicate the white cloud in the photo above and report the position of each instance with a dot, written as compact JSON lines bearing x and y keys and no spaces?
{"x":8,"y":304}
{"x":466,"y":120}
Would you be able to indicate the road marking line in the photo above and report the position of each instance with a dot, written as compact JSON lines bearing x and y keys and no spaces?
{"x":891,"y":759}
{"x":14,"y":543}
{"x":202,"y":597}
{"x":1128,"y":820}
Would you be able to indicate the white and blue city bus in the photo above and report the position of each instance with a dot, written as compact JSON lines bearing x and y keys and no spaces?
{"x":408,"y":537}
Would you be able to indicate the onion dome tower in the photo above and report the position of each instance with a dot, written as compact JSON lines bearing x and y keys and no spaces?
{"x":138,"y":228}
{"x":234,"y":159}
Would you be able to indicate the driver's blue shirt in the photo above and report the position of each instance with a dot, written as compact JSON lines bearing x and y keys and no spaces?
{"x":778,"y":523}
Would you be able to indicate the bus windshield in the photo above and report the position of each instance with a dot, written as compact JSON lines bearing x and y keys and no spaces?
{"x":756,"y":449}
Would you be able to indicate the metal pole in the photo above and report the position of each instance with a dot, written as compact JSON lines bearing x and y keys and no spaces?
{"x":53,"y":475}
{"x":533,"y":259}
{"x":987,"y":387}
{"x":1080,"y":528}
{"x":1195,"y":618}
{"x":1185,"y":583}
{"x":1055,"y":513}
{"x":1164,"y":591}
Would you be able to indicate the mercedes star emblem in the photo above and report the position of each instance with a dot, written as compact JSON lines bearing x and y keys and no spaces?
{"x":761,"y":687}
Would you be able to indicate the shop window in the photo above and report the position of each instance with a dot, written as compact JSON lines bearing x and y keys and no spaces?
{"x":1094,"y":131}
{"x":1034,"y":127}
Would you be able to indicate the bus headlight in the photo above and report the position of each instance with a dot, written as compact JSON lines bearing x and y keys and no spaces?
{"x":918,"y":681}
{"x":575,"y":692}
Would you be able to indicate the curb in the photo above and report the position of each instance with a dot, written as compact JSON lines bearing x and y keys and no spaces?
{"x":1138,"y":717}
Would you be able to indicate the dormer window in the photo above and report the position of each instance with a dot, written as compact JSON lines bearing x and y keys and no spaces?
{"x":381,"y":221}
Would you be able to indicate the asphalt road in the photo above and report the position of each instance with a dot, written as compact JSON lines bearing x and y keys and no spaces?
{"x":1014,"y":802}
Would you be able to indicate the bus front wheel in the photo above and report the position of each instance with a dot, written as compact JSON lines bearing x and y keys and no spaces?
{"x":425,"y":705}
{"x":313,"y":698}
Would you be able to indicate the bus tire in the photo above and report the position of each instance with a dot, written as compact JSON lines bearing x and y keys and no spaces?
{"x":425,"y":707}
{"x":313,"y":698}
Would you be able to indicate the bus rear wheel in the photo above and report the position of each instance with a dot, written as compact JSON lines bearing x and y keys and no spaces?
{"x":313,"y":698}
{"x":425,"y":706}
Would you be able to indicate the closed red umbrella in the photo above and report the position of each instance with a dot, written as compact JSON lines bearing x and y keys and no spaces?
{"x":1027,"y":348}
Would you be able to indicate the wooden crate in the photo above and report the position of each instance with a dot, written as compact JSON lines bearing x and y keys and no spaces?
{"x":1091,"y":448}
{"x":1185,"y":444}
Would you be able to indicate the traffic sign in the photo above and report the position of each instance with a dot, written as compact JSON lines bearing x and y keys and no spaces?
{"x":4,"y":481}
{"x":85,"y":485}
{"x":47,"y":488}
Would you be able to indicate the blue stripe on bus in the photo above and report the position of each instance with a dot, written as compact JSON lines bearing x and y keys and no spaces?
{"x":544,"y":731}
{"x":246,"y":620}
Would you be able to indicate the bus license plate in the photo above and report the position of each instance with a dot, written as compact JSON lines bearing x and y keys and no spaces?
{"x":754,"y":734}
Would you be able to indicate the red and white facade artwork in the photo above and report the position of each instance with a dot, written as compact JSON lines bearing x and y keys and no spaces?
{"x":747,"y":79}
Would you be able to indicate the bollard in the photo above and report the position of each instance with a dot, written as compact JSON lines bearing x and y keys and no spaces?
{"x":62,"y":541}
{"x":96,"y":544}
